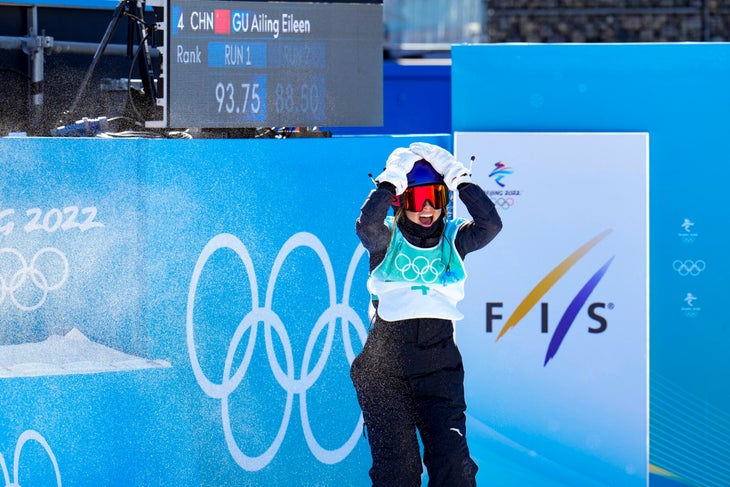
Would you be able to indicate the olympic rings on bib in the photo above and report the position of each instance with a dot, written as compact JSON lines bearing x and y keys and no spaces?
{"x":419,"y":269}
{"x":284,"y":375}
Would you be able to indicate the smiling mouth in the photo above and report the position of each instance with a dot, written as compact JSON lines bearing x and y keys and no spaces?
{"x":425,"y":220}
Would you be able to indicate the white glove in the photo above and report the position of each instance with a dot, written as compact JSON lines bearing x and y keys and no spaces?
{"x":437,"y":156}
{"x":399,"y":164}
{"x":456,"y":174}
{"x":453,"y":171}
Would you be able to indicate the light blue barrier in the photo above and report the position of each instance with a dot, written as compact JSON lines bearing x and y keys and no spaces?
{"x":186,"y":256}
{"x":679,"y":94}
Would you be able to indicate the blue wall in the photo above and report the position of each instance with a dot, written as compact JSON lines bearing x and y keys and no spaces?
{"x":283,"y":294}
{"x":679,"y":94}
{"x":416,"y":100}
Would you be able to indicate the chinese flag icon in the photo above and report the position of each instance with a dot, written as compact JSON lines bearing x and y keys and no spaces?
{"x":222,"y":21}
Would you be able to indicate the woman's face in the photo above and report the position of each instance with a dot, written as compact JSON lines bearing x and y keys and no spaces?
{"x":426,"y":217}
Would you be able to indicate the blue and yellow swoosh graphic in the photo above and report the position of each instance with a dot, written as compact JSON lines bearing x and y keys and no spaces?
{"x":548,"y":282}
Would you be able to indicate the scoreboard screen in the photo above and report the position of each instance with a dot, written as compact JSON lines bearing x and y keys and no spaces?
{"x":274,"y":64}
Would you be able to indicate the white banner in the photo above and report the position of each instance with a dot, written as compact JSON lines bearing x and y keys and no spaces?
{"x":555,"y":335}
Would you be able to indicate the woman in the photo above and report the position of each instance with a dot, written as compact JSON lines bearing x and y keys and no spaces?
{"x":409,"y":376}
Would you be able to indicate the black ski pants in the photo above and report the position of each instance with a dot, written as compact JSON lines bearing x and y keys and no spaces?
{"x":409,"y":377}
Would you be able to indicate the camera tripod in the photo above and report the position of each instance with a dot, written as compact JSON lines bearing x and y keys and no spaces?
{"x":134,"y":11}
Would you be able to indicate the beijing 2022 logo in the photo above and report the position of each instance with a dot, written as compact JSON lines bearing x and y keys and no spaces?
{"x":285,"y":376}
{"x":503,"y":198}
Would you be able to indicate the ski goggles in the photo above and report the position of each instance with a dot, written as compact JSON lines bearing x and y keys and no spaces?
{"x":415,"y":197}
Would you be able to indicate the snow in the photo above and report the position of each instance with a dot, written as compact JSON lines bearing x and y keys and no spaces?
{"x":72,"y":353}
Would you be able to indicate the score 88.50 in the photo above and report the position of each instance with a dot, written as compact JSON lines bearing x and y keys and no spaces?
{"x":303,"y":99}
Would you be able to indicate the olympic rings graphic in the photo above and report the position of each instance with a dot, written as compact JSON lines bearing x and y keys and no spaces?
{"x":689,"y":267}
{"x":420,"y":268}
{"x":285,"y":377}
{"x":26,"y":436}
{"x":504,"y":203}
{"x":9,"y":285}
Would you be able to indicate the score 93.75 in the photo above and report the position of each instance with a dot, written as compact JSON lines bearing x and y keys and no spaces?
{"x":240,"y":101}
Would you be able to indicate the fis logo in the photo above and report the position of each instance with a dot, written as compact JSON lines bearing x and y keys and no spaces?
{"x":570,"y":313}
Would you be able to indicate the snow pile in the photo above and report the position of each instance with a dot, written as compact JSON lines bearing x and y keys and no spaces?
{"x":73,"y":353}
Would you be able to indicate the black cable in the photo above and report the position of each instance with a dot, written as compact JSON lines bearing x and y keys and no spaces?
{"x":129,"y":79}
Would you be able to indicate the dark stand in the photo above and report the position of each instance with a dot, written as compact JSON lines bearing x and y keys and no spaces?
{"x":134,"y":10}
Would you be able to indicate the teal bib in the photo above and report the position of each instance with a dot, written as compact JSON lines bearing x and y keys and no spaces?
{"x":413,"y":282}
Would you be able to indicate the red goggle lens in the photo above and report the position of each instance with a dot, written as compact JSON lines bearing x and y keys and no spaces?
{"x":414,"y":198}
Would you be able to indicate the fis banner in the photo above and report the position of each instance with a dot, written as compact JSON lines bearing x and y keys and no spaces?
{"x":556,"y":311}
